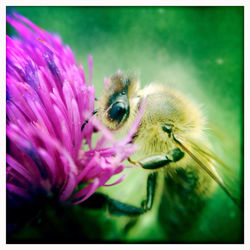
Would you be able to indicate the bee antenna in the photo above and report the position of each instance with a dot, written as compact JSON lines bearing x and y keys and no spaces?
{"x":214,"y":177}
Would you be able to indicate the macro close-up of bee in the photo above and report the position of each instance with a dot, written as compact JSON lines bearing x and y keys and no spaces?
{"x":173,"y":149}
{"x":123,"y":129}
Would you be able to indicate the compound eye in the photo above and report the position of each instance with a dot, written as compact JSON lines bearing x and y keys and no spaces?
{"x":117,"y":111}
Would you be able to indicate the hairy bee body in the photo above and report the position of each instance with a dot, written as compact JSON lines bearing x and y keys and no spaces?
{"x":167,"y":106}
{"x":169,"y":120}
{"x":186,"y":186}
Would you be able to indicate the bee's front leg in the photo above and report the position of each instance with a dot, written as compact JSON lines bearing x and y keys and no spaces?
{"x":86,"y":121}
{"x":159,"y":161}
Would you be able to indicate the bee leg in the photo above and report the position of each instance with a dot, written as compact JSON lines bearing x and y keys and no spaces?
{"x":98,"y":201}
{"x":159,"y":161}
{"x":151,"y":184}
{"x":86,"y":121}
{"x":119,"y":208}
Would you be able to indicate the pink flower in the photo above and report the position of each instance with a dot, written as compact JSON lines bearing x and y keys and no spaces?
{"x":48,"y":99}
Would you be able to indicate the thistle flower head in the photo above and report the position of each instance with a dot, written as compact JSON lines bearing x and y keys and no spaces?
{"x":48,"y":99}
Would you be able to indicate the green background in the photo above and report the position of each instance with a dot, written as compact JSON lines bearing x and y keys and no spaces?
{"x":198,"y":50}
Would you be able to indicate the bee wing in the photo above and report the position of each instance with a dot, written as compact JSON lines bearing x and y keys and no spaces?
{"x":180,"y":206}
{"x":207,"y":153}
{"x":201,"y":154}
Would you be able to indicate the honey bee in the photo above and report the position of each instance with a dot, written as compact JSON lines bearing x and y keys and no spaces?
{"x":172,"y":141}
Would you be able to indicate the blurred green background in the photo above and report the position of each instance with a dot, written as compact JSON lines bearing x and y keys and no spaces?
{"x":198,"y":50}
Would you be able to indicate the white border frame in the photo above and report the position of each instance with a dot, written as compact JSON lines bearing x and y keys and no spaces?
{"x":122,"y":3}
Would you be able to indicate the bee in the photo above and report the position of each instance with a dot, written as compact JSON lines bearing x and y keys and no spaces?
{"x":172,"y":142}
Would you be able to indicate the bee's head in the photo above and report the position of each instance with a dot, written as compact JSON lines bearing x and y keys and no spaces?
{"x":115,"y":102}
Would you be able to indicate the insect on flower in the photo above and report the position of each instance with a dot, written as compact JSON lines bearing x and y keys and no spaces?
{"x":49,"y":105}
{"x":172,"y":146}
{"x":48,"y":98}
